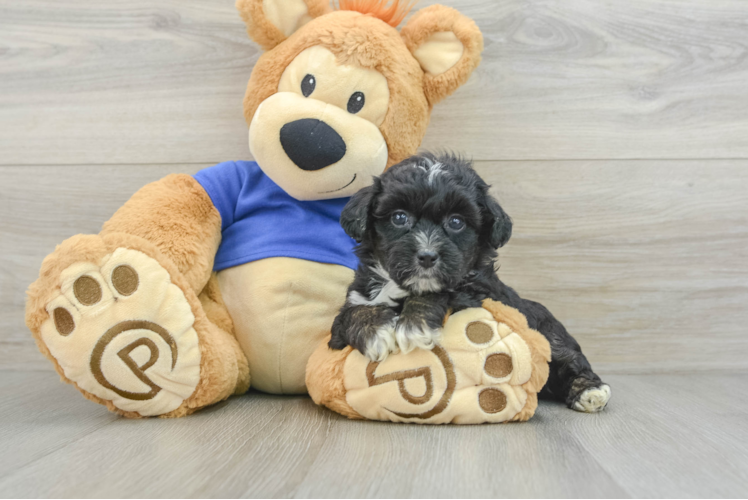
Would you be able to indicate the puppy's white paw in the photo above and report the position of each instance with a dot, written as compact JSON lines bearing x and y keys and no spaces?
{"x":593,"y":400}
{"x":382,"y":343}
{"x":409,"y":337}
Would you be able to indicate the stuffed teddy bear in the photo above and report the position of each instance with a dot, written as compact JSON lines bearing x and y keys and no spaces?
{"x":200,"y":285}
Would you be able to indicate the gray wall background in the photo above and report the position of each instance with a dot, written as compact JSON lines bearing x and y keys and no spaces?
{"x":614,"y":133}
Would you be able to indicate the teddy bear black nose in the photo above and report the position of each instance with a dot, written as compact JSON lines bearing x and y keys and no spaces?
{"x":311,"y":144}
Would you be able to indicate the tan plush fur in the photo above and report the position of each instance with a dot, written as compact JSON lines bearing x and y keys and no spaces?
{"x":216,"y":312}
{"x":282,"y":309}
{"x":371,"y":43}
{"x":178,"y":217}
{"x":540,"y":351}
{"x":174,"y":221}
{"x":368,"y":42}
{"x":214,"y":306}
{"x":325,"y":369}
{"x":261,"y":30}
{"x":324,"y":379}
{"x":222,"y":372}
{"x":438,"y":18}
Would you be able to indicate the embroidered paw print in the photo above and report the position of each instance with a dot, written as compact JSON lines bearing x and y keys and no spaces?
{"x":496,"y":362}
{"x":474,"y":375}
{"x":124,"y":332}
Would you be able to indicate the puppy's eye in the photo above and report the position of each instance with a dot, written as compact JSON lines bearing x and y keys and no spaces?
{"x":455,"y":223}
{"x":400,"y":218}
{"x":308,"y":84}
{"x":356,"y":102}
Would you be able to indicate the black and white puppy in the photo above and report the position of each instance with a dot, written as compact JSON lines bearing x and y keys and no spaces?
{"x":428,"y":231}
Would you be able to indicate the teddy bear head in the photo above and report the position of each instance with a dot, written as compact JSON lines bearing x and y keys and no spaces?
{"x":340,"y":94}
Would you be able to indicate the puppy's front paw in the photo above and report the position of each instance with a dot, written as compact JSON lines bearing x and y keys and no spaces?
{"x":369,"y":329}
{"x":416,"y":335}
{"x":382,"y":342}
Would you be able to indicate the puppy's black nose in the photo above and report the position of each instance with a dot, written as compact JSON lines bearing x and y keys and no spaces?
{"x":311,"y":144}
{"x":427,"y":258}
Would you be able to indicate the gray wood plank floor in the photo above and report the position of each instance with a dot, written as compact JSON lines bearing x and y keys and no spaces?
{"x":662,"y":436}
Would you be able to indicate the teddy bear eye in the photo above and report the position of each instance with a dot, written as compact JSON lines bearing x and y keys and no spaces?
{"x":356,"y":102}
{"x":308,"y":84}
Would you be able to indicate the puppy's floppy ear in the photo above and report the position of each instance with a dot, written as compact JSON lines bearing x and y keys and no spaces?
{"x":498,"y":224}
{"x":355,"y":215}
{"x":447,"y":45}
{"x":269,"y":22}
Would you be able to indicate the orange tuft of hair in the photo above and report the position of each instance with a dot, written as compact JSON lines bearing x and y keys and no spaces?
{"x":391,"y":14}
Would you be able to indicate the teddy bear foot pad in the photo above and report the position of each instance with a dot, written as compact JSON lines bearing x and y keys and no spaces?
{"x":483,"y":370}
{"x":122,"y":331}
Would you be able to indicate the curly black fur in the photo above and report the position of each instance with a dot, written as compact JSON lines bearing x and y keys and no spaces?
{"x":428,"y":230}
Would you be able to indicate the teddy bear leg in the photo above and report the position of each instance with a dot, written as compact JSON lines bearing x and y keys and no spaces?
{"x":488,"y":367}
{"x":119,"y":316}
{"x":217,"y":313}
{"x":121,"y":323}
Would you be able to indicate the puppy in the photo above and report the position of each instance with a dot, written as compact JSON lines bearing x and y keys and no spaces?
{"x":428,"y":231}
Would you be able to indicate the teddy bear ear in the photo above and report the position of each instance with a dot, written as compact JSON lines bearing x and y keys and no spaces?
{"x":447,"y":45}
{"x":269,"y":22}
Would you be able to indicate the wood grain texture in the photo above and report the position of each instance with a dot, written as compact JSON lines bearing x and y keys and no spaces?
{"x":142,"y":81}
{"x":661,"y":436}
{"x":39,"y":401}
{"x":39,"y":208}
{"x":673,"y":424}
{"x":645,"y":262}
{"x":411,"y":461}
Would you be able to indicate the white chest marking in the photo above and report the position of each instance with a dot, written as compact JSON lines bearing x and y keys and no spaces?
{"x":388,"y":293}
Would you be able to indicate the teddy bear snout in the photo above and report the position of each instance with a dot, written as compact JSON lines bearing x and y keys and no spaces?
{"x":312,"y":144}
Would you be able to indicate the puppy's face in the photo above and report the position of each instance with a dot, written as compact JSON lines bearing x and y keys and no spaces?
{"x":428,"y":222}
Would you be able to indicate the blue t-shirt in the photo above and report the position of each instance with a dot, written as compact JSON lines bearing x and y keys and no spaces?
{"x":259,"y":220}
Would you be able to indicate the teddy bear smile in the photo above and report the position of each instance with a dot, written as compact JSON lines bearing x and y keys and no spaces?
{"x":340,"y":188}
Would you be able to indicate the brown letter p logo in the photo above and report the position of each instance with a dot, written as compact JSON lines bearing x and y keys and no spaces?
{"x":124,"y":355}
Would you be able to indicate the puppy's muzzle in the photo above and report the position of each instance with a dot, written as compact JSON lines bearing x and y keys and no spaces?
{"x":427,"y":258}
{"x":311,"y":144}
